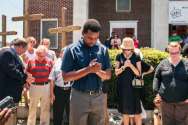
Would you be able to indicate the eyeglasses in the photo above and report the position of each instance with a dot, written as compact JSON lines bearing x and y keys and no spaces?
{"x":126,"y":49}
{"x":40,"y":56}
{"x":176,"y":53}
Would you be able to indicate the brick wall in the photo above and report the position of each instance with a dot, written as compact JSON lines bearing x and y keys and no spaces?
{"x":51,"y":9}
{"x":105,"y":11}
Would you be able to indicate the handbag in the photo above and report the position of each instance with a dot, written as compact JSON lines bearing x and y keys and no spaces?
{"x":137,"y":82}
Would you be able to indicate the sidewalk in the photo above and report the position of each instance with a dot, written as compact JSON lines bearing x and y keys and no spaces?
{"x":23,"y":121}
{"x":23,"y":114}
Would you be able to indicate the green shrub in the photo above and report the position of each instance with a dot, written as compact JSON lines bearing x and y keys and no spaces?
{"x":151,"y":56}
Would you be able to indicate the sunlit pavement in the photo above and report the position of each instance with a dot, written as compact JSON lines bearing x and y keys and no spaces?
{"x":24,"y":122}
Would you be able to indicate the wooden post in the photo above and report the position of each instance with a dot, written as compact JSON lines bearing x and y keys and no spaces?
{"x":26,"y":18}
{"x":3,"y":30}
{"x":64,"y":28}
{"x":26,"y":22}
{"x":63,"y":34}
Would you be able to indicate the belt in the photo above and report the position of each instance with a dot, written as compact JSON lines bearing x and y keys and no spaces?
{"x":40,"y":83}
{"x":85,"y":91}
{"x":64,"y":88}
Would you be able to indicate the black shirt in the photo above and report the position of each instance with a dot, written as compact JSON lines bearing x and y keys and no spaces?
{"x":145,"y":66}
{"x":171,"y":82}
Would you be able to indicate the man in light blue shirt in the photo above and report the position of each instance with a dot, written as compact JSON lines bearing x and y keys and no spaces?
{"x":59,"y":92}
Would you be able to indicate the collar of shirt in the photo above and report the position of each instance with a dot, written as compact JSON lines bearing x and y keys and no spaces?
{"x":17,"y":55}
{"x":14,"y":50}
{"x":42,"y":60}
{"x":81,"y":43}
{"x":59,"y":60}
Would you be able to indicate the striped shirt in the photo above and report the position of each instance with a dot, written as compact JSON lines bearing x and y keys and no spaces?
{"x":40,"y":70}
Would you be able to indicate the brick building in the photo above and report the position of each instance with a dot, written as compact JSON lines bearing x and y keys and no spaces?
{"x":52,"y":19}
{"x":135,"y":19}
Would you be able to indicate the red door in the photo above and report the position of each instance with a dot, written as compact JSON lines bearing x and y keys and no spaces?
{"x":128,"y":32}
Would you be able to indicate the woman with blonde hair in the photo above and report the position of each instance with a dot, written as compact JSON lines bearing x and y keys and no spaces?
{"x":50,"y":54}
{"x":128,"y":65}
{"x":31,"y":51}
{"x":170,"y":85}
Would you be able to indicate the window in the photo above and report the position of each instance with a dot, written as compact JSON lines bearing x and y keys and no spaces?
{"x":123,"y":5}
{"x":46,"y":24}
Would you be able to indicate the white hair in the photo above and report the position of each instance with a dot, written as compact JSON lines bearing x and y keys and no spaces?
{"x":41,"y":49}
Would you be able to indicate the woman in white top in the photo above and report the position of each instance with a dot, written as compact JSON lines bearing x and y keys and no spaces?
{"x":115,"y":43}
{"x":31,"y":51}
{"x":50,"y":54}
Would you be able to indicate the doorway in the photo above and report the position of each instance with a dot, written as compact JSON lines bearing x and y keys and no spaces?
{"x":124,"y":32}
{"x":180,"y":29}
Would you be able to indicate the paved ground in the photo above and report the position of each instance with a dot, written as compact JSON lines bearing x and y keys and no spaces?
{"x":24,"y":122}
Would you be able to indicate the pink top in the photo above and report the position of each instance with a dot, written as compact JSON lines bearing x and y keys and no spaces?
{"x":135,"y":44}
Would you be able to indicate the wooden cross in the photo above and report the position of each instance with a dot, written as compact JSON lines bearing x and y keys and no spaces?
{"x":4,"y":32}
{"x":64,"y":28}
{"x":26,"y":18}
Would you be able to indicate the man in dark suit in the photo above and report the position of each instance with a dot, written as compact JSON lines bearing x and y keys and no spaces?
{"x":12,"y":72}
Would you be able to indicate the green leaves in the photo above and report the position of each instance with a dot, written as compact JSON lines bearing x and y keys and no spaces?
{"x":151,"y":56}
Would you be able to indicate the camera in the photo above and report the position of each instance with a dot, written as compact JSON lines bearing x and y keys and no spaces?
{"x":8,"y":102}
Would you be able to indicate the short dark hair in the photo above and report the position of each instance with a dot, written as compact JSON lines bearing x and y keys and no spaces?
{"x":116,"y":35}
{"x":20,"y":42}
{"x":185,"y":49}
{"x":174,"y":31}
{"x":13,"y":41}
{"x":91,"y":24}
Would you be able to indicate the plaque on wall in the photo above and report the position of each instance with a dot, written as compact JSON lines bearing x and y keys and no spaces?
{"x":46,"y":25}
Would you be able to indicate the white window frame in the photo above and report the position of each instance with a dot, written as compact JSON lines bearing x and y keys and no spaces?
{"x":124,"y":10}
{"x":54,"y":19}
{"x":124,"y":24}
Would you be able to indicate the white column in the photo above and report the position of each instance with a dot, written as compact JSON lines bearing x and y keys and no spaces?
{"x":80,"y":15}
{"x":159,"y":24}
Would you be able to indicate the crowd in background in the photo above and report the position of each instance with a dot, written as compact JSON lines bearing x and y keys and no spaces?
{"x":79,"y":77}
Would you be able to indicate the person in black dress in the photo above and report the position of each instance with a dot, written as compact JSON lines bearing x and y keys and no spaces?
{"x":146,"y":69}
{"x":128,"y":65}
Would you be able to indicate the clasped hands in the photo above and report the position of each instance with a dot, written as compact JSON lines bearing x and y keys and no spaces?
{"x":127,"y":63}
{"x":94,"y":67}
{"x":30,"y":79}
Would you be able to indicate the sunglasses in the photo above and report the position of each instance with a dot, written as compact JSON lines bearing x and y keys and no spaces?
{"x":126,"y":49}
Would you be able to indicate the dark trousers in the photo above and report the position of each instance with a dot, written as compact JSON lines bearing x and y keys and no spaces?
{"x":174,"y":113}
{"x":62,"y":100}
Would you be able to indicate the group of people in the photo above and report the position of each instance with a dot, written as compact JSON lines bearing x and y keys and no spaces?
{"x":114,"y":42}
{"x":77,"y":78}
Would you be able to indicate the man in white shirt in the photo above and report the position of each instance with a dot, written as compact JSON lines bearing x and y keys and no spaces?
{"x":59,"y":92}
